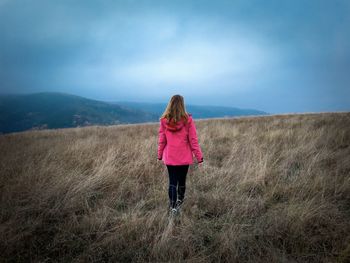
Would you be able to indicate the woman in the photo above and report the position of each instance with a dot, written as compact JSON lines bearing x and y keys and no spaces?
{"x":177,"y":142}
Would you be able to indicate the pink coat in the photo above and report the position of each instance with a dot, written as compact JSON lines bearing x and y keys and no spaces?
{"x":177,"y":144}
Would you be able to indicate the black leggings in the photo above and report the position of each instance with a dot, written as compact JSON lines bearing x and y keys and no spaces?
{"x":177,"y":182}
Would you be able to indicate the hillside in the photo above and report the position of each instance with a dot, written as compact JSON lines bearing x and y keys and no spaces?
{"x":50,"y":110}
{"x":272,"y":189}
{"x":199,"y":111}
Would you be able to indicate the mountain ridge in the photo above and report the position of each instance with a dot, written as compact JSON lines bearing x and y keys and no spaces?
{"x":52,"y":110}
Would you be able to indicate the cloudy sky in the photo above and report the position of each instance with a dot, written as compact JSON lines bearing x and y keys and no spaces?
{"x":277,"y":56}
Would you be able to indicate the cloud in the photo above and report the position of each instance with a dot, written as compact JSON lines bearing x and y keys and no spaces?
{"x":238,"y":53}
{"x":196,"y":61}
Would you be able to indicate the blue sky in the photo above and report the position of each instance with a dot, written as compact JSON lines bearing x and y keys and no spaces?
{"x":276,"y":56}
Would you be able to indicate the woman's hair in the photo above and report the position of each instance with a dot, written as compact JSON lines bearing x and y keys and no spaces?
{"x":175,"y":109}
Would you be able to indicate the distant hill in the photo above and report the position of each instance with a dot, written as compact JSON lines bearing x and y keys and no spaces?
{"x":51,"y":110}
{"x":198,"y":111}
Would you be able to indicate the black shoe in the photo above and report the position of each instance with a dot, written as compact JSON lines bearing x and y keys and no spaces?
{"x":173,"y":211}
{"x":178,"y":203}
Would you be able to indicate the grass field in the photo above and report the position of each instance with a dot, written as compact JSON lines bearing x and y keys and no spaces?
{"x":271,"y":189}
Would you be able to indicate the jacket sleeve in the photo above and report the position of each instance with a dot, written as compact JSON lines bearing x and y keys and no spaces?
{"x":195,"y":147}
{"x":161,"y":140}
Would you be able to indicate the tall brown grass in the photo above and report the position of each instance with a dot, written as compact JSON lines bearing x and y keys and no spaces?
{"x":271,"y":188}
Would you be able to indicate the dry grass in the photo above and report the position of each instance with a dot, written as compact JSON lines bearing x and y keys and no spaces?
{"x":272,"y":188}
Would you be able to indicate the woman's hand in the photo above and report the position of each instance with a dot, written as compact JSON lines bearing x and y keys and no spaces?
{"x":200,"y":165}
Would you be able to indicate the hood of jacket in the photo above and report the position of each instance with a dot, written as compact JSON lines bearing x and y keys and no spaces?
{"x":174,"y":127}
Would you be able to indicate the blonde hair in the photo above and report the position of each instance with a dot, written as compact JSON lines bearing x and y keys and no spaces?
{"x":175,"y":109}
